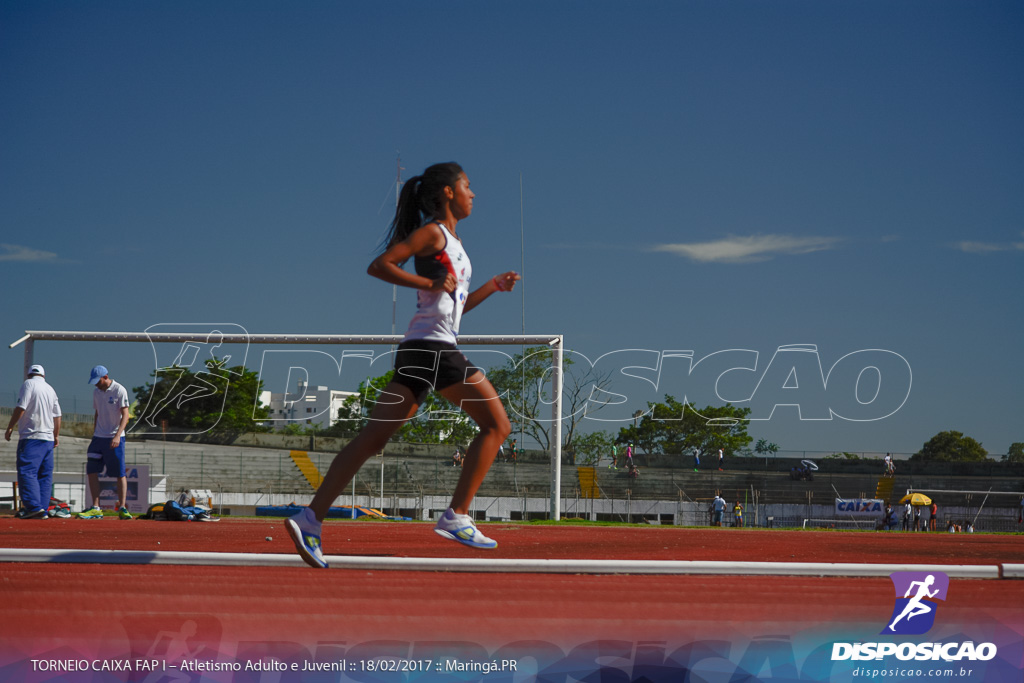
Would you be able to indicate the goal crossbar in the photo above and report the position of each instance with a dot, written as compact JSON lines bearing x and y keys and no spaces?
{"x":555,"y":341}
{"x":172,"y":337}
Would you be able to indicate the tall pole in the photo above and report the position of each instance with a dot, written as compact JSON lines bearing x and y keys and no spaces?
{"x":522,"y":288}
{"x":394,"y":306}
{"x":394,"y":288}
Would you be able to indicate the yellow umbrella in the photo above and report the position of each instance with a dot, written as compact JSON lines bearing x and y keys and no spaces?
{"x":916,"y":499}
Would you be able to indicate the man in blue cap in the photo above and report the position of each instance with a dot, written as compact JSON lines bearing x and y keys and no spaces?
{"x":106,"y":450}
{"x":37,"y":415}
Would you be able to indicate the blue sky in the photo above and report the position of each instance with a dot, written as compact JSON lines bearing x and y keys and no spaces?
{"x":696,"y":176}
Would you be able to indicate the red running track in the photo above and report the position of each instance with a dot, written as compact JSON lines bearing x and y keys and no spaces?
{"x":415,"y":539}
{"x":100,"y":608}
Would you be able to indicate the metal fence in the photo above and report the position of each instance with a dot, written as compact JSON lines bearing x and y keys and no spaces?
{"x":266,"y":475}
{"x":5,"y":415}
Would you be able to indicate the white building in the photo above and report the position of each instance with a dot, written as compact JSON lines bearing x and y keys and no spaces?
{"x":309,"y":405}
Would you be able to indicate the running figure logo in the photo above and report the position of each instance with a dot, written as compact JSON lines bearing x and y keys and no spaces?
{"x":914,"y":612}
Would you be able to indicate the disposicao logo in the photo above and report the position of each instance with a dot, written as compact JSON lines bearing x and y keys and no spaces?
{"x":916,"y":593}
{"x":914,"y":614}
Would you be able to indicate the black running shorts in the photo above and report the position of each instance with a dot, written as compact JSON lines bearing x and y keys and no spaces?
{"x":425,"y":366}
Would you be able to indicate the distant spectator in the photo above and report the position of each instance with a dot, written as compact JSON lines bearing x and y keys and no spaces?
{"x":721,"y":459}
{"x":890,"y":522}
{"x":968,"y":527}
{"x":933,"y":511}
{"x":917,"y":518}
{"x":457,"y":458}
{"x":633,"y":472}
{"x":951,"y":528}
{"x":890,"y":468}
{"x":801,"y":472}
{"x":737,"y":513}
{"x":719,"y":506}
{"x":908,"y":511}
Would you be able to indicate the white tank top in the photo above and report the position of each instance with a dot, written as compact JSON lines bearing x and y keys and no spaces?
{"x":438,"y":313}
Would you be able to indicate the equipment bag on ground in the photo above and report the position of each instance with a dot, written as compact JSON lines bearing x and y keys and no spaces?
{"x":176,"y":512}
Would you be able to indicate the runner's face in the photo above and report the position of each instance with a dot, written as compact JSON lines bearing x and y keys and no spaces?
{"x":462,"y":198}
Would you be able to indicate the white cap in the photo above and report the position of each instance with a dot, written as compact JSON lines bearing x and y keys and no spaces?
{"x":36,"y":370}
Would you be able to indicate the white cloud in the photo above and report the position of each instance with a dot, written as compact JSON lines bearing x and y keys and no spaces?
{"x":969,"y":247}
{"x":16,"y":252}
{"x":978,"y":247}
{"x":748,"y":249}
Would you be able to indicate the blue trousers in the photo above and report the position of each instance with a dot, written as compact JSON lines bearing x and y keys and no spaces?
{"x":35,"y":473}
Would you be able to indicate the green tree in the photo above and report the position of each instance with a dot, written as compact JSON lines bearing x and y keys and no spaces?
{"x":438,"y":419}
{"x":525,"y":387}
{"x":218,"y":402}
{"x":590,"y":448}
{"x":951,"y":447}
{"x":764,"y":448}
{"x":1016,"y":452}
{"x":674,"y":427}
{"x":842,"y":456}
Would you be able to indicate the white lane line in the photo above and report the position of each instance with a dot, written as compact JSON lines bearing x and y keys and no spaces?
{"x":497,"y":565}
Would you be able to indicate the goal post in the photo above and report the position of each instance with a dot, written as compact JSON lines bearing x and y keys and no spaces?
{"x":555,"y":341}
{"x":839,"y":523}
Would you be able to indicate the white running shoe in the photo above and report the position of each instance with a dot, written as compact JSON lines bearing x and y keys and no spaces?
{"x":462,"y":529}
{"x":305,"y":532}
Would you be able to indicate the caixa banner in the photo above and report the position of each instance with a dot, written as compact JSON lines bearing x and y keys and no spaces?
{"x":867,"y":507}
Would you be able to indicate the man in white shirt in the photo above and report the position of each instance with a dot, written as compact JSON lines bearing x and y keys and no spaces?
{"x":37,"y":415}
{"x":719,"y":508}
{"x":106,"y":450}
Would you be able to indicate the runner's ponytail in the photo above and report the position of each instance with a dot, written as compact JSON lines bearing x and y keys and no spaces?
{"x":419,"y":201}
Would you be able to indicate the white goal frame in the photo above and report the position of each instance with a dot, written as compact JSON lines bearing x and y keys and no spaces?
{"x":555,"y":341}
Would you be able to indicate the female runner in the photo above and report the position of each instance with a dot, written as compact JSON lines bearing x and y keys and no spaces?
{"x":429,"y":209}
